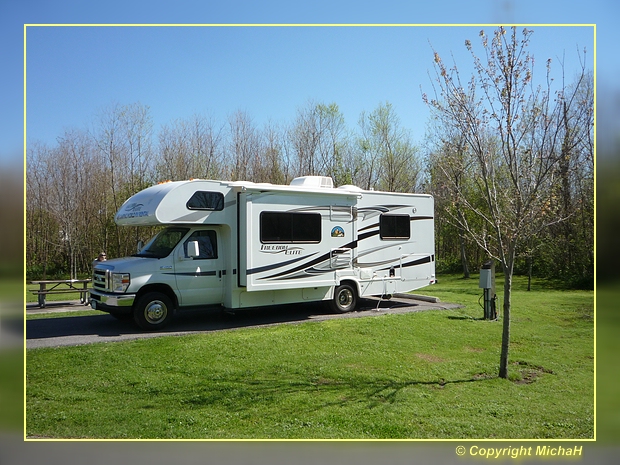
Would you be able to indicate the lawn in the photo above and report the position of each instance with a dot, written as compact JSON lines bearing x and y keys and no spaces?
{"x":419,"y":375}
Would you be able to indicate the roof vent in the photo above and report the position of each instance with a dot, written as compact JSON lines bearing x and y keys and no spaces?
{"x":313,"y":181}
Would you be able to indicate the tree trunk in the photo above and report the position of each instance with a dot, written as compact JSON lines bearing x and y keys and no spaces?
{"x":503,"y":361}
{"x":508,"y":266}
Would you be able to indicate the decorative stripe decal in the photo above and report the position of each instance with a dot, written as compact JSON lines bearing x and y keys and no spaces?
{"x":260,"y":269}
{"x":419,"y":261}
{"x":302,"y":267}
{"x":195,"y":273}
{"x":368,"y":234}
{"x":376,"y":225}
{"x":305,"y":266}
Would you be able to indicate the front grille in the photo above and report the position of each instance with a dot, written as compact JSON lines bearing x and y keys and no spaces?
{"x":100,"y":280}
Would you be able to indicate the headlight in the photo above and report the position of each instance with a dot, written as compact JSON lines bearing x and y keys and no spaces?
{"x":120,"y":282}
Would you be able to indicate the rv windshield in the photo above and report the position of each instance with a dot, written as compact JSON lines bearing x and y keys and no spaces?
{"x":162,"y":244}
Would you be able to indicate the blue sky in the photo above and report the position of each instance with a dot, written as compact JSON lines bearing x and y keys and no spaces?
{"x":74,"y":72}
{"x":269,"y":72}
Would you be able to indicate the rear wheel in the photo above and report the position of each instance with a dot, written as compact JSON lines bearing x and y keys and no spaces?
{"x":153,"y":311}
{"x":345,"y":299}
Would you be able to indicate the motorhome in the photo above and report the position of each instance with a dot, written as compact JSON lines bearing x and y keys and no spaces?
{"x":242,"y":245}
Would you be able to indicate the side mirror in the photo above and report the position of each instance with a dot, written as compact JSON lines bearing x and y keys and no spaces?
{"x":140,"y":245}
{"x":192,"y":249}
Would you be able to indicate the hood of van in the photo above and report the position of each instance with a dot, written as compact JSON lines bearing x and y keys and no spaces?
{"x":135,"y":264}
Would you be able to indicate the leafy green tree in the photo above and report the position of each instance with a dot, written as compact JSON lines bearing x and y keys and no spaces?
{"x":392,"y":160}
{"x":319,"y":142}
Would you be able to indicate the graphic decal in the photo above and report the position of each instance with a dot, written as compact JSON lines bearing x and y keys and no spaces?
{"x":324,"y":266}
{"x":134,"y":210}
{"x":303,"y":268}
{"x":329,"y":262}
{"x":194,"y":273}
{"x":261,"y":269}
{"x":283,"y":249}
{"x":419,"y":261}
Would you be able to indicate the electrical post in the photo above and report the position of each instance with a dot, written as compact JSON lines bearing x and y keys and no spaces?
{"x":487,"y":283}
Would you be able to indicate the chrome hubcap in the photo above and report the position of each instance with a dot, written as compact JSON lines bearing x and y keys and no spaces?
{"x":345,"y":298}
{"x":155,"y":311}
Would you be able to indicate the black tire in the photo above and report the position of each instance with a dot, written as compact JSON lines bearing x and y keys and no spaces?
{"x":345,"y":299}
{"x":153,"y":311}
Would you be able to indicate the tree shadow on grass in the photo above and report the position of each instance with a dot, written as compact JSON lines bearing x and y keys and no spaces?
{"x":380,"y":392}
{"x":466,"y":317}
{"x":239,"y":394}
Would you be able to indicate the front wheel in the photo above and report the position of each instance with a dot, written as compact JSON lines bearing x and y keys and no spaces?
{"x":345,"y":299}
{"x":153,"y":311}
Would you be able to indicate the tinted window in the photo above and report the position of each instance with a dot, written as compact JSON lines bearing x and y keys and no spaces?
{"x":162,"y":244}
{"x":290,"y":227}
{"x":203,"y":200}
{"x":207,"y":244}
{"x":394,"y":227}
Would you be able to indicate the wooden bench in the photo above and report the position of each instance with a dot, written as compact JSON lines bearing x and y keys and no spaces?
{"x":61,"y":286}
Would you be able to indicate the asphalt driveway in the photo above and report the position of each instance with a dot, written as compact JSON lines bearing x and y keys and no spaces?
{"x":78,"y":330}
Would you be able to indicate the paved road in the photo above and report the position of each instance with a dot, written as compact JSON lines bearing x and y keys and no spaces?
{"x":78,"y":330}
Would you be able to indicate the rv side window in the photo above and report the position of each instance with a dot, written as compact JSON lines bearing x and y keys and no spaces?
{"x":285,"y":227}
{"x":203,"y":200}
{"x":394,"y":227}
{"x":207,"y":244}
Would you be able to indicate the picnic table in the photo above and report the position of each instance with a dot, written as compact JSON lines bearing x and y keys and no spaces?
{"x":61,"y":286}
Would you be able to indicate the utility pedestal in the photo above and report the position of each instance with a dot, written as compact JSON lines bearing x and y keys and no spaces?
{"x":487,"y":282}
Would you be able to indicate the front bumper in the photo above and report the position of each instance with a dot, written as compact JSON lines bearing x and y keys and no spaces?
{"x":111,"y":302}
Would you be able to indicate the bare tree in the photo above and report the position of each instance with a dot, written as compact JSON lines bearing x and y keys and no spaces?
{"x":271,"y":164}
{"x":512,"y":129}
{"x":205,"y":147}
{"x":189,"y":149}
{"x":41,"y":227}
{"x":304,"y":137}
{"x":243,"y":147}
{"x":122,"y":138}
{"x":137,"y":126}
{"x":68,"y":195}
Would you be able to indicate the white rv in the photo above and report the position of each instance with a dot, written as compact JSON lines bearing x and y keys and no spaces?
{"x":242,"y":244}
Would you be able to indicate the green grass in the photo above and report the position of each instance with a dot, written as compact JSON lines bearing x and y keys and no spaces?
{"x":41,"y":316}
{"x":419,"y":375}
